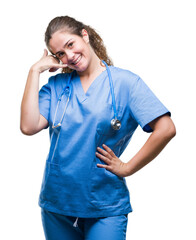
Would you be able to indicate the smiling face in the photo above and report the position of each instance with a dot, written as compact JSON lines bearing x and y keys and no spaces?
{"x":72,"y":49}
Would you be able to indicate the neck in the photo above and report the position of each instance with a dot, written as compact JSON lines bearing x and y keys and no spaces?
{"x":95,"y":66}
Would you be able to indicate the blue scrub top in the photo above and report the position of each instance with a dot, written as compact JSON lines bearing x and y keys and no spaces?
{"x":72,"y":183}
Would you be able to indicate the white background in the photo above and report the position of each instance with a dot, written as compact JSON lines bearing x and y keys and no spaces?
{"x":154,"y":39}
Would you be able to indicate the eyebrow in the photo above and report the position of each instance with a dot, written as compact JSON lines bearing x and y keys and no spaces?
{"x":63,"y":46}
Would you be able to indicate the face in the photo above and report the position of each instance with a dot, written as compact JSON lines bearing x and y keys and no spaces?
{"x":71,"y":49}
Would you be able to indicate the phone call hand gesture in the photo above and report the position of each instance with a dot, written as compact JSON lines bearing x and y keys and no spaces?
{"x":48,"y":62}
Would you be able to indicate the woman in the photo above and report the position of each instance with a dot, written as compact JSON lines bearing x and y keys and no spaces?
{"x":92,"y":109}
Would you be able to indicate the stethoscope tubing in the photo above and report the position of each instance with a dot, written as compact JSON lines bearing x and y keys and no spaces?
{"x":111,"y":89}
{"x":115,"y":122}
{"x":69,"y":89}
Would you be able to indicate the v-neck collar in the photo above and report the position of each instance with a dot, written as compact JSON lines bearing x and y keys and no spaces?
{"x":80,"y":91}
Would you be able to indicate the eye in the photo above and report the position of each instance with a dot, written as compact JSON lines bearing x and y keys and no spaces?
{"x":70,"y":44}
{"x":60,"y":55}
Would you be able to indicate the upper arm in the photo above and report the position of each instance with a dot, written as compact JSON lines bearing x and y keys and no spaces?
{"x":164,"y":123}
{"x":43,"y":123}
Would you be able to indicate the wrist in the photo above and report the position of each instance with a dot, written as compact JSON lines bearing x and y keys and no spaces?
{"x":132,"y":166}
{"x":35,"y":69}
{"x":128,"y":170}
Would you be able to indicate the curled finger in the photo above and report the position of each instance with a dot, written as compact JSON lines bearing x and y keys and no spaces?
{"x":55,"y":58}
{"x":56,"y":67}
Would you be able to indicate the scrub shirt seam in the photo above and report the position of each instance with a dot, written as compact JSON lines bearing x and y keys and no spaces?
{"x":142,"y":123}
{"x":130,"y":111}
{"x":42,"y":110}
{"x":75,"y":211}
{"x":158,"y":114}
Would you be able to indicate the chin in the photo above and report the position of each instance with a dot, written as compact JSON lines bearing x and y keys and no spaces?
{"x":81,"y":69}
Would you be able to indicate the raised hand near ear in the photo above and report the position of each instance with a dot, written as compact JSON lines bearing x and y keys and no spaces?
{"x":48,"y":62}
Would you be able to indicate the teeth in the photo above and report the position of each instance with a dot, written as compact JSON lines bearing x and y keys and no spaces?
{"x":77,"y":60}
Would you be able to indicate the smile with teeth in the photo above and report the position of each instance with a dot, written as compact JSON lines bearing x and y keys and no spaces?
{"x":74,"y":63}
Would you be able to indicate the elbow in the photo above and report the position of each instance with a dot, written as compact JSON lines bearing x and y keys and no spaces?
{"x":27,"y":125}
{"x":173,"y":133}
{"x":164,"y":127}
{"x":170,"y":131}
{"x":26,"y":131}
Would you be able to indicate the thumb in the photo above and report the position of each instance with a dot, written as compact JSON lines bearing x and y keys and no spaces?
{"x":45,"y":53}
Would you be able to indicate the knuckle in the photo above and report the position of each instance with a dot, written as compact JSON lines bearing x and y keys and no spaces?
{"x":110,"y":151}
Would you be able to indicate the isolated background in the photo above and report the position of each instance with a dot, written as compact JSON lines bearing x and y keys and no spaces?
{"x":154,"y":39}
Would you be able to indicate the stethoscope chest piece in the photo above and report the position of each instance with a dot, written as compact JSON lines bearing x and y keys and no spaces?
{"x":116,"y":124}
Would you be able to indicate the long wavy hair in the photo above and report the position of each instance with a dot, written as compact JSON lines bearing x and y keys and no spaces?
{"x":75,"y":27}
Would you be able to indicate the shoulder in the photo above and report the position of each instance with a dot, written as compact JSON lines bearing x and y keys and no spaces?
{"x":58,"y":78}
{"x":124,"y":76}
{"x":58,"y":81}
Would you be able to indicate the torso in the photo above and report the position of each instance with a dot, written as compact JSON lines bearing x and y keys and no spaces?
{"x":86,"y":82}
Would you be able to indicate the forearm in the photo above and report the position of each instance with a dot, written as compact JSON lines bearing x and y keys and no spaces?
{"x":30,"y":116}
{"x":153,"y":146}
{"x":30,"y":104}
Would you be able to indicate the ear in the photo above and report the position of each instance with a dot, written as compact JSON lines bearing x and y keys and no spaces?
{"x":85,"y":35}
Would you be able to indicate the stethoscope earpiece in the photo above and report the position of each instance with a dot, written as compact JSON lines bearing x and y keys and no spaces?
{"x":56,"y":126}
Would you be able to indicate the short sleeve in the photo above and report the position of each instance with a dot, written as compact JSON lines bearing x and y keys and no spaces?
{"x":144,"y":105}
{"x":44,"y":100}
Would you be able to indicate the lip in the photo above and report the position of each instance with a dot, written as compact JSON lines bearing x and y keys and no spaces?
{"x":76,"y":60}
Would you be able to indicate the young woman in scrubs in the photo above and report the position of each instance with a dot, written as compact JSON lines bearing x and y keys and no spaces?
{"x":84,"y":195}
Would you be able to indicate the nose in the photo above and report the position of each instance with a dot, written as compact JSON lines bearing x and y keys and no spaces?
{"x":70,"y":56}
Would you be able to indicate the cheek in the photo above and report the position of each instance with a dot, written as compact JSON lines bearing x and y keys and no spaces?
{"x":84,"y":49}
{"x":64,"y":60}
{"x":88,"y":55}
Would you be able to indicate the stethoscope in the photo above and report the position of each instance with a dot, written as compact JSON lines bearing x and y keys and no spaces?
{"x":115,"y":123}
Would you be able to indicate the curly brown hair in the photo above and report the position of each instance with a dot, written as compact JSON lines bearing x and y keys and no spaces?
{"x":75,"y":27}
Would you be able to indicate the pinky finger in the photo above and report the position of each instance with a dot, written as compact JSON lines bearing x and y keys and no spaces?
{"x":60,"y":65}
{"x":100,"y":165}
{"x":56,"y":67}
